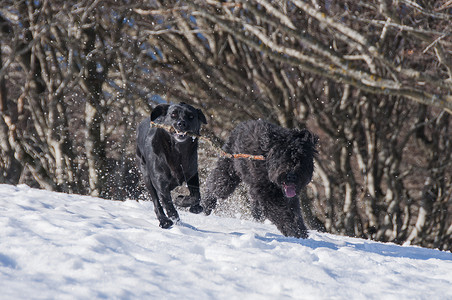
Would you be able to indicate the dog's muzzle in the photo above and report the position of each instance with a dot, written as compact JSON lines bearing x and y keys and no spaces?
{"x":289,"y":186}
{"x":179,"y":136}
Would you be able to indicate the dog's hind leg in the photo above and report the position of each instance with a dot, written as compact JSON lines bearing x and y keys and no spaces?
{"x":193,"y":200}
{"x":257,"y":210}
{"x":221,"y":182}
{"x":193,"y":187}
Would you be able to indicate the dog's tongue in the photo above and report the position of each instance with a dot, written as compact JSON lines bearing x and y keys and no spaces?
{"x":289,"y":189}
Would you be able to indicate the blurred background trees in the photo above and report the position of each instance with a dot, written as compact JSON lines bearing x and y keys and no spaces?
{"x":372,"y":78}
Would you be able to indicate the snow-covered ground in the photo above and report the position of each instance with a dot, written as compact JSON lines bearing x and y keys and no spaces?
{"x":59,"y":246}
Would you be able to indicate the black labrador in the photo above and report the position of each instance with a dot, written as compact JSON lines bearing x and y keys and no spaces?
{"x":169,"y":158}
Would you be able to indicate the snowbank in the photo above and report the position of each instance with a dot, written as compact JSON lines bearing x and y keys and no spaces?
{"x":63,"y":246}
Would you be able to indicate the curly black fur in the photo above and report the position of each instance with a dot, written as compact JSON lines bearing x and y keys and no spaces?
{"x":274,"y":184}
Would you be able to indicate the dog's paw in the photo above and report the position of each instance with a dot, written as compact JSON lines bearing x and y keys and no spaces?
{"x":165,"y":224}
{"x":207,"y":209}
{"x":294,"y":231}
{"x":196,"y":209}
{"x":175,"y":219}
{"x":303,"y":234}
{"x":209,"y":203}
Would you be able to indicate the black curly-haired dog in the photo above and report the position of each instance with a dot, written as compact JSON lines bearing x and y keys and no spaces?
{"x":274,"y":184}
{"x":169,"y":158}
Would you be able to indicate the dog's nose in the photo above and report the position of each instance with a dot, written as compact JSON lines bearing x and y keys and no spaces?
{"x":291,"y":177}
{"x":181,"y":124}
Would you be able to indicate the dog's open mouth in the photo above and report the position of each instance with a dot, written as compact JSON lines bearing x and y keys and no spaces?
{"x":289,"y":190}
{"x":180,"y":136}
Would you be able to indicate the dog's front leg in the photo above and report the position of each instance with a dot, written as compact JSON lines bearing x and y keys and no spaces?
{"x":171,"y":211}
{"x":300,"y":227}
{"x":282,"y":212}
{"x":164,"y":222}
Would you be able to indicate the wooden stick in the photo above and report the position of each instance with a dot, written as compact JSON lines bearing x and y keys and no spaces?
{"x":211,"y":143}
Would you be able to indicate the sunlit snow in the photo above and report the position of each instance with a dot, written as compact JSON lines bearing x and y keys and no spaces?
{"x":59,"y":246}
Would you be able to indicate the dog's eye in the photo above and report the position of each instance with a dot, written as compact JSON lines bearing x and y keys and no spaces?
{"x":190,"y":116}
{"x":174,"y":115}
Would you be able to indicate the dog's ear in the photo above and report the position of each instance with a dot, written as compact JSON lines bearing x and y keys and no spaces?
{"x":306,"y":138}
{"x":201,"y":116}
{"x":311,"y":137}
{"x":305,"y":135}
{"x":159,"y":110}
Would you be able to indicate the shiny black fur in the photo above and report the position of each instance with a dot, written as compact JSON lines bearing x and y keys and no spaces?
{"x":274,"y":184}
{"x":167,"y":159}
